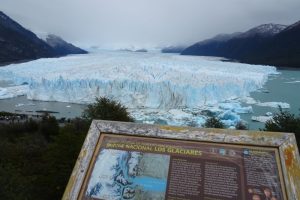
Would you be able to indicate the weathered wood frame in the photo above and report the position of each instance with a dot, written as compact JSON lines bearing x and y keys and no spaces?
{"x":285,"y":142}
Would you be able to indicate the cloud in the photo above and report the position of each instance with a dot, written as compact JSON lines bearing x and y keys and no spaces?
{"x":156,"y":22}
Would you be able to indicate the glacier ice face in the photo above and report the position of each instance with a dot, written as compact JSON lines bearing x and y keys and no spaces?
{"x":140,"y":81}
{"x":137,"y":80}
{"x":13,"y":91}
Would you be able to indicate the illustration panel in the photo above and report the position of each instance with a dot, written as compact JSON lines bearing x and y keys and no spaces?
{"x":120,"y":174}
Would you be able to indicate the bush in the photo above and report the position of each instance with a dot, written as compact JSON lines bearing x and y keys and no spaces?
{"x":106,"y":109}
{"x":31,"y":165}
{"x":37,"y":157}
{"x":49,"y":126}
{"x":214,"y":122}
{"x":241,"y":126}
{"x":284,"y":121}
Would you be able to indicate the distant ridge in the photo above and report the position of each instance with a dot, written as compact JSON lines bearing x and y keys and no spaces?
{"x":62,"y":47}
{"x":19,"y":44}
{"x":268,"y":44}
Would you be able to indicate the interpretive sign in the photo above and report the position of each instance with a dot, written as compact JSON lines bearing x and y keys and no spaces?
{"x":161,"y":163}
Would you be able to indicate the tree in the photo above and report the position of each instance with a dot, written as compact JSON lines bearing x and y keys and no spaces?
{"x":214,"y":122}
{"x":35,"y":160}
{"x":106,"y":109}
{"x":241,"y":126}
{"x":284,"y":121}
{"x":49,"y":126}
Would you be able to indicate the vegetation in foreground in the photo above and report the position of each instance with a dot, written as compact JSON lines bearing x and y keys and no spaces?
{"x":37,"y":157}
{"x":107,"y":109}
{"x":214,"y":122}
{"x":284,"y":121}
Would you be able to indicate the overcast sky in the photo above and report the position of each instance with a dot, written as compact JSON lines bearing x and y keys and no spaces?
{"x":147,"y":22}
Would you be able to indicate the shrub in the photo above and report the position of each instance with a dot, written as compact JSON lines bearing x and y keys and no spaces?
{"x":214,"y":122}
{"x":106,"y":109}
{"x":284,"y":121}
{"x":241,"y":126}
{"x":37,"y":157}
{"x":49,"y":126}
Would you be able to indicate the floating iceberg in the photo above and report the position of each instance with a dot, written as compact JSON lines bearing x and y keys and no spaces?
{"x":262,"y":119}
{"x":140,"y":81}
{"x":274,"y":104}
{"x":235,"y":107}
{"x":229,"y":118}
{"x":293,"y":82}
{"x":269,"y":114}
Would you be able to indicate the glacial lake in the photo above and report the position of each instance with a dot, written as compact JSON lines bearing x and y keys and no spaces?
{"x":284,"y":87}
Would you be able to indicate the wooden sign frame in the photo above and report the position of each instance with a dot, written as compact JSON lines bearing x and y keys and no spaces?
{"x":288,"y":154}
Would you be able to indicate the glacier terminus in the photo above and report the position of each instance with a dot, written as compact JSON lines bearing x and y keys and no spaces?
{"x":156,"y":87}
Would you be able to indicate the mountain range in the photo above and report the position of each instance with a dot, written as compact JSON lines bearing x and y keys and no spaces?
{"x":268,"y":44}
{"x":18,"y":44}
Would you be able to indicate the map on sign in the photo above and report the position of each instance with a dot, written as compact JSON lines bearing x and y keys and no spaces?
{"x":138,"y":168}
{"x":129,"y":175}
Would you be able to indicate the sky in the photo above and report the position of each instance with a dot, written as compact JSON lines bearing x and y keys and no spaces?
{"x":146,"y":23}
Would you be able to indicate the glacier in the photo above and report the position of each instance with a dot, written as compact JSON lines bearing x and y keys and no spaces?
{"x":144,"y":82}
{"x":13,"y":91}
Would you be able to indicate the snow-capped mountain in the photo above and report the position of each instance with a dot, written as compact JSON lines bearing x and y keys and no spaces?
{"x":62,"y":47}
{"x":220,"y":38}
{"x":265,"y":30}
{"x":293,"y":26}
{"x":232,"y":45}
{"x":269,"y":44}
{"x":281,"y":50}
{"x":19,"y":44}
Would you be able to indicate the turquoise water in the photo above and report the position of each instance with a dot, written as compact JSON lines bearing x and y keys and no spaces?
{"x":280,"y":88}
{"x":25,"y":106}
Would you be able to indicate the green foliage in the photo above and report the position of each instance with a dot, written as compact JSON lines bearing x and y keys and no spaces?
{"x":241,"y":126}
{"x":106,"y":109}
{"x":20,"y":162}
{"x":31,"y":125}
{"x":214,"y":122}
{"x":31,"y":165}
{"x":37,"y":157}
{"x":284,"y":121}
{"x":49,"y":126}
{"x":60,"y":157}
